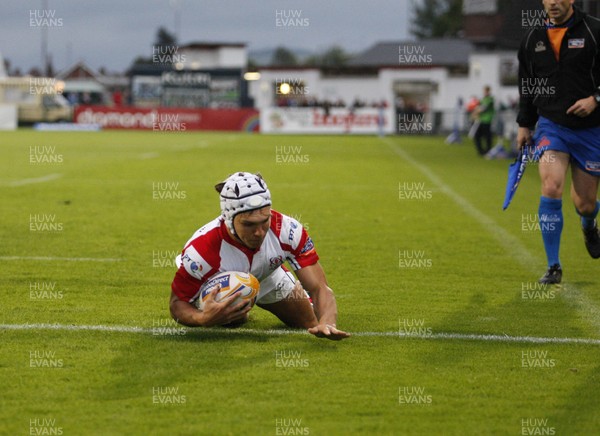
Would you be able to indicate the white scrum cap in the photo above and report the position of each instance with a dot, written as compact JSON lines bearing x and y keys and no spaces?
{"x":242,"y":192}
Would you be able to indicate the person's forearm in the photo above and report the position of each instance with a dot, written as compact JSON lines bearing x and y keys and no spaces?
{"x":186,"y":314}
{"x":325,"y":306}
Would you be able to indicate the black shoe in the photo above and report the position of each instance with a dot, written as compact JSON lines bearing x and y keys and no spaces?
{"x":553,"y":276}
{"x":592,"y":241}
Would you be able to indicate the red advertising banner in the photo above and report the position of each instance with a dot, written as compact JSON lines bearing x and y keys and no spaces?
{"x":168,"y":119}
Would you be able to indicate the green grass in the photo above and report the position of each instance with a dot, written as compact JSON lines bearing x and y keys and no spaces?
{"x":231,"y":382}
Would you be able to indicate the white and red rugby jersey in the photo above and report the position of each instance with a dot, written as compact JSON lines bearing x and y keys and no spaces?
{"x":212,"y":250}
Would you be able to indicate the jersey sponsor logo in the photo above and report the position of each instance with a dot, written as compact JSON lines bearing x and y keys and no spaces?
{"x":577,"y":43}
{"x":194,"y":263}
{"x":540,"y":46}
{"x":275,"y":262}
{"x":293,"y":226}
{"x":308,"y":246}
{"x":195,"y":267}
{"x":592,"y":166}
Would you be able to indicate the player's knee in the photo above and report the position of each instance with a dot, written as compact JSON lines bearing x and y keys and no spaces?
{"x":552,"y":188}
{"x":585,"y":207}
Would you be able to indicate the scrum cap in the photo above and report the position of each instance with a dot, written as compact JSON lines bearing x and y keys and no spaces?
{"x":242,"y":192}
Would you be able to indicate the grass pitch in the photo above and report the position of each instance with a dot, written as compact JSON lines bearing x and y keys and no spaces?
{"x":410,"y":232}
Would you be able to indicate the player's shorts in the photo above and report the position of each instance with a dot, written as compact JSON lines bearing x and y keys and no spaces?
{"x":582,"y":145}
{"x":276,"y":287}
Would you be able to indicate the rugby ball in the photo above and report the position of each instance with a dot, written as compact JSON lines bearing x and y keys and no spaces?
{"x":242,"y":284}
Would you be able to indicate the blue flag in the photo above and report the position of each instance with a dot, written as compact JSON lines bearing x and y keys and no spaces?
{"x":515,"y":173}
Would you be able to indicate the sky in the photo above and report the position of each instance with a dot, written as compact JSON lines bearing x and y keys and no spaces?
{"x":112,"y":33}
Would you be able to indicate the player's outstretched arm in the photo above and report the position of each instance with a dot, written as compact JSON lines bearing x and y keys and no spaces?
{"x":214,"y":313}
{"x":314,"y":282}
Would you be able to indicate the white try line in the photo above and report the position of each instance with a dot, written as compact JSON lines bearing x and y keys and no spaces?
{"x":165,"y":331}
{"x":63,"y":259}
{"x":42,"y":179}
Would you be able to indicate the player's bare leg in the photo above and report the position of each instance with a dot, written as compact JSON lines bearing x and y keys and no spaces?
{"x":295,"y":310}
{"x":584,"y":192}
{"x":553,"y":170}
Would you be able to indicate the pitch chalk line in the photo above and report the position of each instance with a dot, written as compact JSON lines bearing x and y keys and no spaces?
{"x":42,"y":179}
{"x":159,"y":331}
{"x":66,"y":259}
{"x":585,"y":307}
{"x":149,"y":155}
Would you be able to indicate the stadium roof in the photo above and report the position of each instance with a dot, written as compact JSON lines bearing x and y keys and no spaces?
{"x":79,"y":70}
{"x":212,"y":45}
{"x":80,"y":77}
{"x":443,"y":52}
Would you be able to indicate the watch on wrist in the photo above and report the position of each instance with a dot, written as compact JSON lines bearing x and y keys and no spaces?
{"x":597,"y":97}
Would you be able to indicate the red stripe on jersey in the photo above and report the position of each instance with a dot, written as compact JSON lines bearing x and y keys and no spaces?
{"x":276,"y":222}
{"x":209,"y":246}
{"x":184,"y":285}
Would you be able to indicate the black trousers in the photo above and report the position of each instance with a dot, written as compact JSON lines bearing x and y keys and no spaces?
{"x":483,"y":132}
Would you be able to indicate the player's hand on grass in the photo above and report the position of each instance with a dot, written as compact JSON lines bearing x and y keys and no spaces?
{"x":583,"y":108}
{"x":524,"y":137}
{"x":224,"y":311}
{"x":328,"y":331}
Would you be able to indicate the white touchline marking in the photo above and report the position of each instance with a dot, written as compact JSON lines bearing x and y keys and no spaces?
{"x":159,"y":331}
{"x":507,"y":240}
{"x":200,"y":144}
{"x":149,"y":155}
{"x":586,"y":308}
{"x":66,"y":259}
{"x":42,"y":179}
